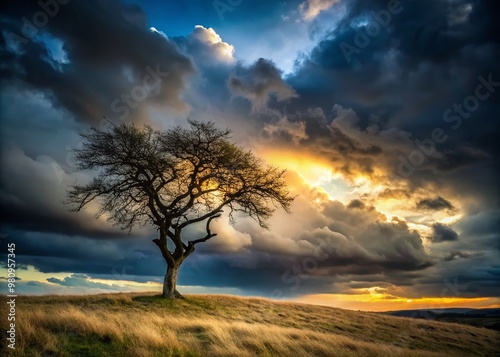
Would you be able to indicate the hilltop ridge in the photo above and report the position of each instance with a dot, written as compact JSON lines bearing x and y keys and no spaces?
{"x":220,"y":325}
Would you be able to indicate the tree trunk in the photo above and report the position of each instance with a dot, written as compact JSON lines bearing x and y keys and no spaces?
{"x":170,"y":283}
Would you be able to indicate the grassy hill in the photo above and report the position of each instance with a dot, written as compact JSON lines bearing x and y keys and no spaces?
{"x":215,"y":325}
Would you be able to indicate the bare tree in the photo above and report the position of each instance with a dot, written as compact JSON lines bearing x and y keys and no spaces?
{"x":173,"y":179}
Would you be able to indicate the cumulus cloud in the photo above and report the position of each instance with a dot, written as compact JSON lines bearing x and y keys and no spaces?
{"x":356,"y":204}
{"x":456,"y":255}
{"x":436,"y":204}
{"x":392,"y":244}
{"x":292,"y":131}
{"x":207,"y":50}
{"x":353,"y":150}
{"x":259,"y":81}
{"x":223,"y":50}
{"x":228,"y":239}
{"x":443,"y":233}
{"x":342,"y":240}
{"x":123,"y":64}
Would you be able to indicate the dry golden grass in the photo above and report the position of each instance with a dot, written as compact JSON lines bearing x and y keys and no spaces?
{"x":216,"y":325}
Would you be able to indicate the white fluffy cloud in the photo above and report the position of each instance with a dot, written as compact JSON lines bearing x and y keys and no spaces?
{"x":207,"y":36}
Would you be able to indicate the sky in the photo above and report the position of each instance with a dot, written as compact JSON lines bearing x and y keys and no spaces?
{"x":384,"y":113}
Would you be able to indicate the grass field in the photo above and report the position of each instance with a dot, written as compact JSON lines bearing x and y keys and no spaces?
{"x":217,"y":325}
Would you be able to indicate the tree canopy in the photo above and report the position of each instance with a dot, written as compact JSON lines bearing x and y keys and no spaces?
{"x":174,"y":178}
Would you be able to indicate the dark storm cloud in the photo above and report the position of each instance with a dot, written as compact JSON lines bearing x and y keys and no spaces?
{"x":436,"y":204}
{"x":389,"y":245}
{"x":443,"y":233}
{"x":90,"y":59}
{"x":339,"y":137}
{"x":483,"y":230}
{"x":38,"y":207}
{"x":456,"y":255}
{"x":360,"y":116}
{"x":468,"y":277}
{"x":356,"y":204}
{"x":354,"y":242}
{"x":32,"y":219}
{"x":472,"y":259}
{"x":109,"y":53}
{"x":258,"y":82}
{"x":81,"y":280}
{"x":482,"y":224}
{"x":132,"y":257}
{"x":405,"y":78}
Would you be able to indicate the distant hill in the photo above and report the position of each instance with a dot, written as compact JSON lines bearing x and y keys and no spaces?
{"x":488,"y":318}
{"x":217,"y":325}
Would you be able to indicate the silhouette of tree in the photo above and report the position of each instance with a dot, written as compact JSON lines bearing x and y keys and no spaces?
{"x":173,"y":179}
